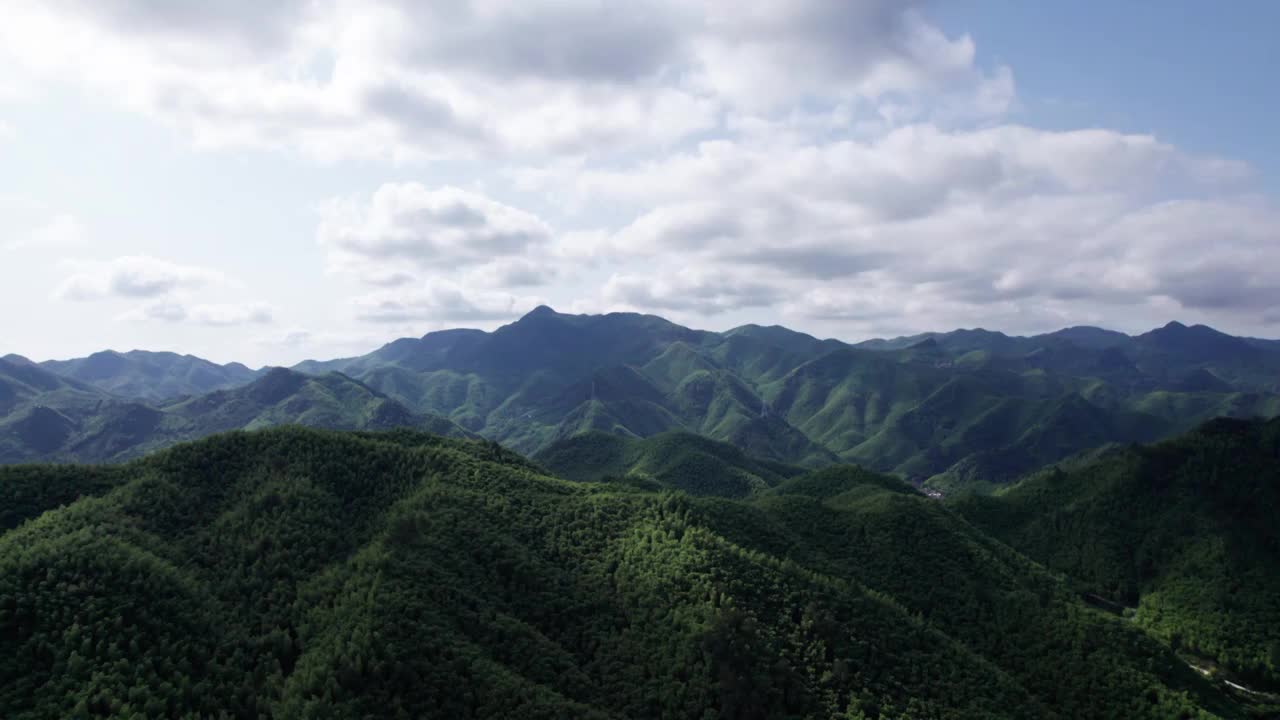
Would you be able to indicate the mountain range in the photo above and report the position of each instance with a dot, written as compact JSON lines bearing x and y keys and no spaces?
{"x":613,"y":516}
{"x":50,"y":417}
{"x":963,"y":409}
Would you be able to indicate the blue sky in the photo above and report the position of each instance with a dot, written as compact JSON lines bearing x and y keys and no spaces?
{"x":317,"y":179}
{"x":1200,"y":75}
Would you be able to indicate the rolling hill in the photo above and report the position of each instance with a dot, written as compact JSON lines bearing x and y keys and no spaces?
{"x":151,"y":376}
{"x":1180,"y":534}
{"x":304,"y":573}
{"x":672,"y":460}
{"x":53,"y":418}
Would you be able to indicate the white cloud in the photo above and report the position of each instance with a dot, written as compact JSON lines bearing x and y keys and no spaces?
{"x":133,"y":276}
{"x":513,"y":272}
{"x":440,"y":300}
{"x":404,"y":228}
{"x":62,"y":231}
{"x":895,"y":228}
{"x":166,"y":311}
{"x":399,"y":79}
{"x":847,"y":163}
{"x":701,"y":291}
{"x":225,"y":314}
{"x":778,"y":52}
{"x":205,"y":314}
{"x":437,"y":255}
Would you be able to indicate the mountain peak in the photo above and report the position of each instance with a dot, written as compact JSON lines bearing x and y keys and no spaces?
{"x":929,"y":343}
{"x":1175,"y":328}
{"x":540,"y":311}
{"x":276,"y":384}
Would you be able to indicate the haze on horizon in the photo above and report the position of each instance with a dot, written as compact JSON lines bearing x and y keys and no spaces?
{"x":316,"y":178}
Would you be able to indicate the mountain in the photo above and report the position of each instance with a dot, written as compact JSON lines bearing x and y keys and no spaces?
{"x":1148,"y":361}
{"x":1093,"y":338}
{"x":40,"y":411}
{"x":970,"y":408}
{"x":304,"y":573}
{"x":151,"y":376}
{"x":49,"y":417}
{"x":1176,"y":349}
{"x":549,"y":376}
{"x":671,"y":460}
{"x":1180,"y":534}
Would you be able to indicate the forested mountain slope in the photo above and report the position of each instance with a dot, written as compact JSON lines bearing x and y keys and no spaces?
{"x":1184,"y":532}
{"x":671,"y":460}
{"x":49,"y":417}
{"x":957,"y":409}
{"x":300,"y":573}
{"x":969,"y":408}
{"x":151,"y":376}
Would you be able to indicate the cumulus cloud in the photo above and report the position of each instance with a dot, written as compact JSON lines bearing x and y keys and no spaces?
{"x":405,"y":227}
{"x":62,"y":231}
{"x":225,"y":314}
{"x":133,"y":276}
{"x":923,"y":218}
{"x":206,"y":314}
{"x":705,"y":292}
{"x":514,"y":272}
{"x":775,"y":52}
{"x":847,"y":163}
{"x":441,"y":300}
{"x":165,"y":311}
{"x":437,"y":255}
{"x":401,"y":79}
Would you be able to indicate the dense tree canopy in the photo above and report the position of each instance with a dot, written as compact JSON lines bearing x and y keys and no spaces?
{"x":297,"y":573}
{"x":1181,"y":536}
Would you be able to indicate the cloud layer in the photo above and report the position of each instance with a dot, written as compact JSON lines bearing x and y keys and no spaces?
{"x":846,"y":167}
{"x":134,"y":276}
{"x":404,"y":79}
{"x":166,"y":289}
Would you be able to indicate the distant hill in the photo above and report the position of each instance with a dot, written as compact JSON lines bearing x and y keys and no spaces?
{"x":971,"y":408}
{"x":1182,"y":531}
{"x":151,"y":376}
{"x":48,"y":417}
{"x":549,"y":376}
{"x":304,"y":573}
{"x":671,"y":460}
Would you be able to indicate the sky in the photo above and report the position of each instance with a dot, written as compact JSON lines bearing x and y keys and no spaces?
{"x":302,"y":179}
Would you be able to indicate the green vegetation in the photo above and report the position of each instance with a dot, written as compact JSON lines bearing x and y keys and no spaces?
{"x":151,"y":376}
{"x":54,"y":418}
{"x":1180,"y":535}
{"x":969,"y":409}
{"x":672,"y":460}
{"x":304,"y":573}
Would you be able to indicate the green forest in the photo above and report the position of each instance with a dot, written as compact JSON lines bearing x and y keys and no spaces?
{"x":615,"y":516}
{"x":1180,"y":537}
{"x":955,"y":411}
{"x":306,"y":573}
